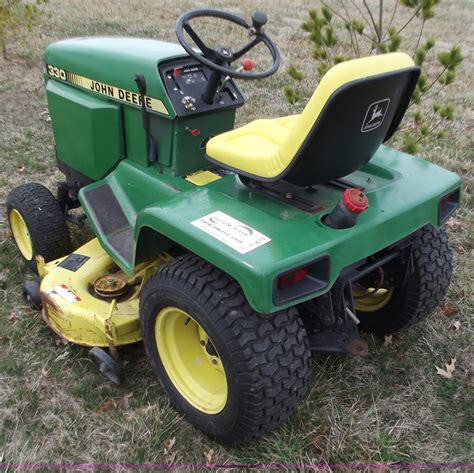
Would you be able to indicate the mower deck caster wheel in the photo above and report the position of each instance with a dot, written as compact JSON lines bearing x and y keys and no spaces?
{"x":31,"y":294}
{"x":107,"y":366}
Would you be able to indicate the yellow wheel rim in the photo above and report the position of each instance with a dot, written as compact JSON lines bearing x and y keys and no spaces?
{"x":371,"y":299}
{"x":21,"y":234}
{"x":190,"y":360}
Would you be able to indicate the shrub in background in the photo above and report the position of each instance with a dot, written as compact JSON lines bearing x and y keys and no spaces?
{"x":16,"y":16}
{"x":362,"y":30}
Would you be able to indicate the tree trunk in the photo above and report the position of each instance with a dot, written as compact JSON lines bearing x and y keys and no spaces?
{"x":3,"y":45}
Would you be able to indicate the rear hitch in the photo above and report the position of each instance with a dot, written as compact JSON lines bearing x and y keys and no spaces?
{"x":342,"y":340}
{"x":331,"y":319}
{"x":340,"y":333}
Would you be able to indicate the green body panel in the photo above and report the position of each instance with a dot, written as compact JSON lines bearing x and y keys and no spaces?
{"x":135,"y":136}
{"x":189,"y":151}
{"x":90,"y":140}
{"x":85,"y":79}
{"x":115,"y":61}
{"x":403,"y":191}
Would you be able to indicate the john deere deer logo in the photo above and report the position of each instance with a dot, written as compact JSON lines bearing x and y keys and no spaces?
{"x":375,"y":115}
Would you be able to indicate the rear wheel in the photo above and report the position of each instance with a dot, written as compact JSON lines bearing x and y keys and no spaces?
{"x":37,"y":223}
{"x":234,"y":373}
{"x":386,"y":309}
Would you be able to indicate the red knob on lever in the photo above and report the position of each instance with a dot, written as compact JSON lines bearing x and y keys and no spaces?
{"x":247,"y":64}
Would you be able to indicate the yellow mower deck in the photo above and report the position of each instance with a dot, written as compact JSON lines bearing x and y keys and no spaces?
{"x":73,"y":309}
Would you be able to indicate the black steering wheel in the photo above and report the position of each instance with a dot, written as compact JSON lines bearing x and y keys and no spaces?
{"x":219,"y":59}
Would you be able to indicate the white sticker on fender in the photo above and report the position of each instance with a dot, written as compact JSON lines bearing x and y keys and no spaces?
{"x":230,"y":231}
{"x":66,"y":293}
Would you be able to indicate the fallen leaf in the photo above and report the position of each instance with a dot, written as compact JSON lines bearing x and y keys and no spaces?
{"x":12,"y":317}
{"x":454,"y":224}
{"x":448,"y":373}
{"x":170,"y":458}
{"x":146,"y":409}
{"x":388,"y":340}
{"x":448,"y":309}
{"x":107,"y":405}
{"x":169,"y":444}
{"x":4,"y":234}
{"x":44,"y":115}
{"x":62,"y":356}
{"x":116,"y":403}
{"x":209,"y":455}
{"x":318,"y":442}
{"x":456,"y":326}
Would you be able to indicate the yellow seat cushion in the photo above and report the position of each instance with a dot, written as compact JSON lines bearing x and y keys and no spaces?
{"x":265,"y":148}
{"x":259,"y":141}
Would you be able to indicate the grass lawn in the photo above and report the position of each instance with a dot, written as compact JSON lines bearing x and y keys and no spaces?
{"x":389,"y":407}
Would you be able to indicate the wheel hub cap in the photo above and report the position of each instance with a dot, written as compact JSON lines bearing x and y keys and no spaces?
{"x":371,"y":299}
{"x":21,"y":234}
{"x":191,"y":360}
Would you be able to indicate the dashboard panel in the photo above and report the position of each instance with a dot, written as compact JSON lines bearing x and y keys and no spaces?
{"x":186,"y":80}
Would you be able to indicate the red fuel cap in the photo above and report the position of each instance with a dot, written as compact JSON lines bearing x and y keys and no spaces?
{"x":355,"y":201}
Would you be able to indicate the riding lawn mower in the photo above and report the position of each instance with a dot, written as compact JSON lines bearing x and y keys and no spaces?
{"x":233,"y":254}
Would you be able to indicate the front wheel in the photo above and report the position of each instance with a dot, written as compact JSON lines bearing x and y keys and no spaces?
{"x":234,"y":373}
{"x":37,"y":224}
{"x":384,"y":309}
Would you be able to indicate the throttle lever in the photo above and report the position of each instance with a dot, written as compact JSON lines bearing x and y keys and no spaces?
{"x":246,"y":65}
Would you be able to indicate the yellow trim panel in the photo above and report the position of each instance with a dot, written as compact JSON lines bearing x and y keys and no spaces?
{"x":201,"y":178}
{"x":107,"y":90}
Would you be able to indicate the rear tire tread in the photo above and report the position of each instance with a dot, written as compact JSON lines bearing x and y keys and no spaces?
{"x":434,"y":256}
{"x":426,"y":285}
{"x":271,"y":351}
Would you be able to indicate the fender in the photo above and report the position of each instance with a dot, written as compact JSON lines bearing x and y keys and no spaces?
{"x":276,"y":238}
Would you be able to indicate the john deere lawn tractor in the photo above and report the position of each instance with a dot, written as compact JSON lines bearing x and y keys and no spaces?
{"x":232,"y":254}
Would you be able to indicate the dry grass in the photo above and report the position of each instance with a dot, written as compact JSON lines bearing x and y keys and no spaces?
{"x":389,"y":407}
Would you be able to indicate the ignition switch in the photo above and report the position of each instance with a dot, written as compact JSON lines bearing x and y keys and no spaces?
{"x":189,"y":102}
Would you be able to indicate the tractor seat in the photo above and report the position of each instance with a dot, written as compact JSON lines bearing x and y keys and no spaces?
{"x":357,"y":106}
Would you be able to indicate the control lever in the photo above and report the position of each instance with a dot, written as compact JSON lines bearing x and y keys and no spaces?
{"x":246,"y":65}
{"x":151,"y":146}
{"x":259,"y":20}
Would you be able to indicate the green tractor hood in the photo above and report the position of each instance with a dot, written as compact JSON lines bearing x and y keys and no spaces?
{"x":109,"y":65}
